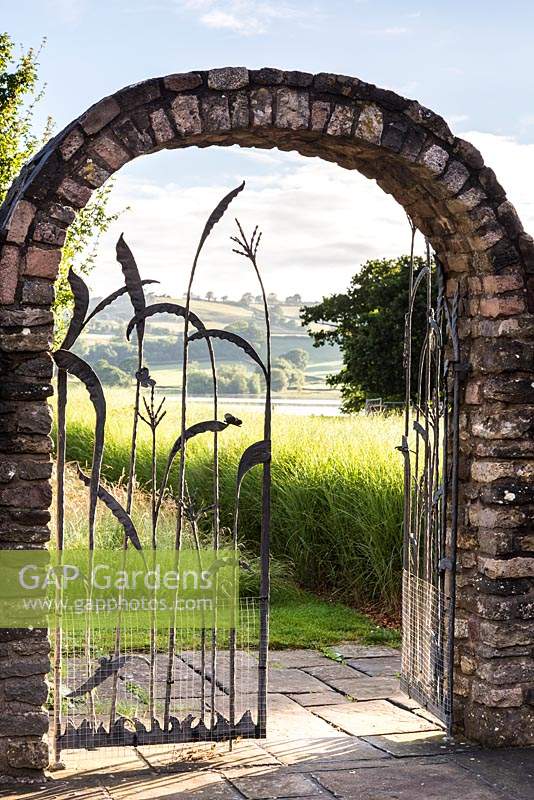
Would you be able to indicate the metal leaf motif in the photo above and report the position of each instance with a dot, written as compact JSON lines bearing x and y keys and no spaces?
{"x":81,"y":304}
{"x":132,"y":278}
{"x":163,"y":308}
{"x":76,"y":366}
{"x":257,"y":453}
{"x":218,"y":213}
{"x":213,"y":425}
{"x":420,"y":430}
{"x":112,"y":297}
{"x":215,"y":333}
{"x":116,"y":509}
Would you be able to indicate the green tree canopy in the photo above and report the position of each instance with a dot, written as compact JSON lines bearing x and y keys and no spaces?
{"x":368,"y":325}
{"x":19,"y":94}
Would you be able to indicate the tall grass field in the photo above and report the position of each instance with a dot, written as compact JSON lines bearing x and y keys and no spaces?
{"x":336,"y":488}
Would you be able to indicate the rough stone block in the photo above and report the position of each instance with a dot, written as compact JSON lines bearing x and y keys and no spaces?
{"x":510,"y":218}
{"x":38,"y":494}
{"x":490,"y":184}
{"x":186,"y":113}
{"x":526,"y":248}
{"x":27,"y":754}
{"x":31,"y":689}
{"x":161,"y":126}
{"x":137,"y":142}
{"x":341,"y":121}
{"x":139,"y":94}
{"x":468,"y":153}
{"x":61,"y":213}
{"x":42,"y":263}
{"x":393,"y":135}
{"x":228,"y":78}
{"x":9,"y":273}
{"x":71,"y":143}
{"x":32,"y":723}
{"x":76,"y":193}
{"x":302,"y":80}
{"x":28,"y":340}
{"x":182,"y":81}
{"x":216,"y":113}
{"x":520,"y":567}
{"x":434,"y":158}
{"x":428,"y":119}
{"x":320,"y":113}
{"x":37,"y":292}
{"x":370,"y":124}
{"x":261,"y":106}
{"x":293,"y":109}
{"x":48,"y":233}
{"x":19,"y":222}
{"x":502,"y":306}
{"x":94,"y":174}
{"x":455,"y":177}
{"x":413,"y":143}
{"x":110,"y":151}
{"x":267,"y":75}
{"x":239,"y":111}
{"x":99,"y":115}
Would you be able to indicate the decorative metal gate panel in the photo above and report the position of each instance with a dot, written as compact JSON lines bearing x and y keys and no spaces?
{"x":430,"y":447}
{"x":173,"y":686}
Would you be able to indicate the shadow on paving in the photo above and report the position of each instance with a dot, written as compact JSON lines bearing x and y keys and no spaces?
{"x":336,"y":730}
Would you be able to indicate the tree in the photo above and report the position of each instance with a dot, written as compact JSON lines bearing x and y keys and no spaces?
{"x":298,"y":357}
{"x":110,"y":375}
{"x":19,"y":94}
{"x":293,"y":300}
{"x":279,"y":379}
{"x":368,"y":324}
{"x":210,"y":297}
{"x":246,"y":300}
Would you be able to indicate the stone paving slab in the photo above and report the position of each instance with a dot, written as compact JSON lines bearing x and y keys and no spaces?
{"x":326,"y":698}
{"x":288,"y":719}
{"x":511,"y":770}
{"x":419,"y":743}
{"x":201,"y":785}
{"x":320,"y":743}
{"x":274,"y":782}
{"x":332,"y":671}
{"x":297,"y":658}
{"x":184,"y":758}
{"x":379,"y":667}
{"x":373,"y":718}
{"x":365,"y":688}
{"x":410,"y":780}
{"x":322,"y":752}
{"x":353,"y":650}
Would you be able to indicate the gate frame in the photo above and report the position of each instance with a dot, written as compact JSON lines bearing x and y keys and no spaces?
{"x":453,"y":198}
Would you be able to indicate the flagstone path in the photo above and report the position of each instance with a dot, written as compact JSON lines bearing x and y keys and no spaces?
{"x":337,"y":729}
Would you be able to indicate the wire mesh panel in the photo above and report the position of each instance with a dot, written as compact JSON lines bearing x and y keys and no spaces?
{"x":430,"y":448}
{"x":207,"y":692}
{"x":171,"y":681}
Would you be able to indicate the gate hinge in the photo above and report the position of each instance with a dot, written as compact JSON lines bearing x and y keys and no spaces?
{"x":445,"y":564}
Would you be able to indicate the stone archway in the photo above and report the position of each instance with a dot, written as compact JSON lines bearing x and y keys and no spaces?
{"x":454,"y":199}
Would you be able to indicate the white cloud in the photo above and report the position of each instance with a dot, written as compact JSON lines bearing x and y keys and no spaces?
{"x":245,"y":17}
{"x":320,"y":222}
{"x":393,"y":31}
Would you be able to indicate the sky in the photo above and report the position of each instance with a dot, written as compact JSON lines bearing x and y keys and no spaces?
{"x":469,"y":62}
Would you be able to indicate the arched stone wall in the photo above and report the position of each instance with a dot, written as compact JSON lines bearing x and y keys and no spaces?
{"x":454,"y":199}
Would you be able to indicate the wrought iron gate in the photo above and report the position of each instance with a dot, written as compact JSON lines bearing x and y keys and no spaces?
{"x":206,"y":687}
{"x":430,"y":447}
